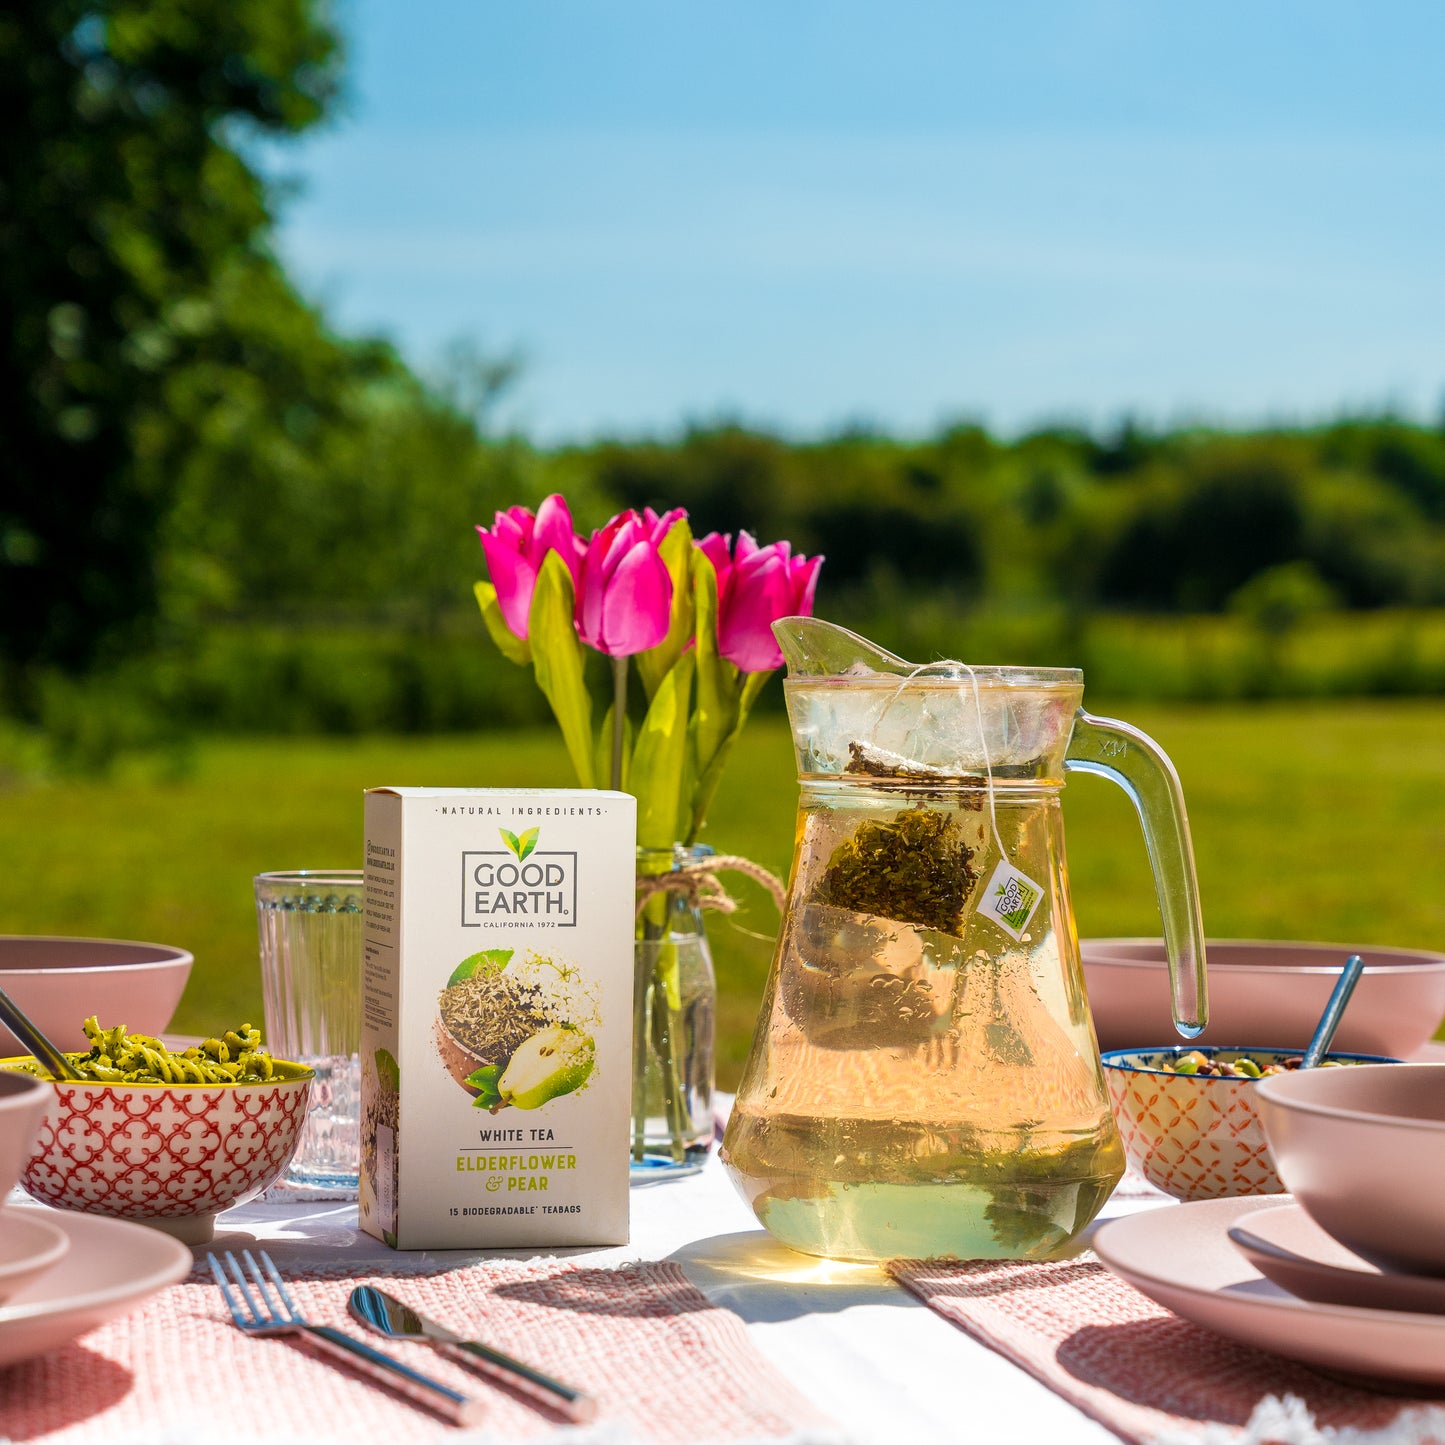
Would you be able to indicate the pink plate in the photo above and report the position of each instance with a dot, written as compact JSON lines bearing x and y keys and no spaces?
{"x":29,"y":1245}
{"x":1284,"y":1244}
{"x":1181,"y":1256}
{"x":109,"y":1268}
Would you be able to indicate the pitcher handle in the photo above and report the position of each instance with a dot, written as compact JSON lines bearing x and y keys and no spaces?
{"x":1112,"y":749}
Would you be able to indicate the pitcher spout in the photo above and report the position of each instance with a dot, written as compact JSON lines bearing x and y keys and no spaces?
{"x":814,"y":648}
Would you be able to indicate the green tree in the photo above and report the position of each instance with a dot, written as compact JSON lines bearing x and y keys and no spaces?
{"x":126,"y":210}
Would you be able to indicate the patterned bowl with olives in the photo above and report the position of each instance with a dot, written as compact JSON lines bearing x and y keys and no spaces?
{"x":1189,"y":1119}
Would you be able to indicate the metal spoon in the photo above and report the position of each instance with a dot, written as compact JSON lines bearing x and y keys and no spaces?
{"x":1330,"y":1020}
{"x":15,"y":1019}
{"x":389,"y":1316}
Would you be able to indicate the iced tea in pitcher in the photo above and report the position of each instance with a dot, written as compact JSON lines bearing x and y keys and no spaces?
{"x":924,"y":1080}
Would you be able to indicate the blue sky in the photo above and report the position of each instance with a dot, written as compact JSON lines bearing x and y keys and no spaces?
{"x":814,"y":213}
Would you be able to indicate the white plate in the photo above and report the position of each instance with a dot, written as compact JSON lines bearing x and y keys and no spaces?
{"x":29,"y":1245}
{"x":1284,"y":1244}
{"x":110,"y":1267}
{"x":1182,"y":1257}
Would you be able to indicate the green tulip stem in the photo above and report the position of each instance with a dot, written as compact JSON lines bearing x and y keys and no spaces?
{"x":643,"y":1002}
{"x":673,"y":1101}
{"x":657,"y":1025}
{"x":619,"y":718}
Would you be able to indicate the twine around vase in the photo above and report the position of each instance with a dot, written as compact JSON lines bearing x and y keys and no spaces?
{"x":699,"y":884}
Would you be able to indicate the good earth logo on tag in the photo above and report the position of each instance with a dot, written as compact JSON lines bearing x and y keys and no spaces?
{"x":523,"y":885}
{"x":1010,"y":898}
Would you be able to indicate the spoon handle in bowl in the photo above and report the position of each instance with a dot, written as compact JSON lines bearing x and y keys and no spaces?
{"x":19,"y":1024}
{"x":1330,"y":1019}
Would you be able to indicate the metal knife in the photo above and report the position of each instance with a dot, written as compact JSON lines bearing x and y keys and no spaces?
{"x":389,"y":1316}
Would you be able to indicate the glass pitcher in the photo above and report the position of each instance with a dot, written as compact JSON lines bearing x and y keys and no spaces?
{"x":925,"y":1080}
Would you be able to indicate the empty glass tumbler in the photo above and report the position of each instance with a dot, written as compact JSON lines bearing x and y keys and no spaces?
{"x":310,"y":925}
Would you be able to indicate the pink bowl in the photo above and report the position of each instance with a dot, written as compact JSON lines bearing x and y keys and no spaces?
{"x":1363,"y":1151}
{"x":1193,"y":1136}
{"x":169,"y":1155}
{"x":23,"y":1100}
{"x":59,"y":982}
{"x":1267,"y":993}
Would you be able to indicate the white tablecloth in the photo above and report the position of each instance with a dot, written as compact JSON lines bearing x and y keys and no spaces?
{"x":865,"y":1350}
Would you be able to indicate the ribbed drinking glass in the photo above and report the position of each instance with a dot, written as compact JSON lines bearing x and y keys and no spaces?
{"x":310,"y":925}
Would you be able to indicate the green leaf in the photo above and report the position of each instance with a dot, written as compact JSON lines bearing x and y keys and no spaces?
{"x":488,"y":961}
{"x":717,"y":679}
{"x":723,"y":700}
{"x":710,"y":776}
{"x":660,"y":756}
{"x":558,"y":662}
{"x":667,"y":972}
{"x":677,"y":553}
{"x":485,"y":1077}
{"x":512,"y":647}
{"x":527,"y":842}
{"x":511,"y":840}
{"x":388,"y":1070}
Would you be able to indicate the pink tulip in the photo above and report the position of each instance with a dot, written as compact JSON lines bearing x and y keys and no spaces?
{"x":756,"y":586}
{"x":515,"y":546}
{"x":624,"y":605}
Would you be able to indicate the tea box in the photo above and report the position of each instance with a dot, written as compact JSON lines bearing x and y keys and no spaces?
{"x":497,"y":976}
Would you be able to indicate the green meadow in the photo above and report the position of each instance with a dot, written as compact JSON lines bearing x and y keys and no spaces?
{"x":1311,"y":820}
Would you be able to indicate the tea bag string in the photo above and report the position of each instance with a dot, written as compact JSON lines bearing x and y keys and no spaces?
{"x":953,"y":663}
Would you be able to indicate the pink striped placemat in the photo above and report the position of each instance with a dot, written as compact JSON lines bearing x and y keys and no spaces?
{"x":664,"y":1363}
{"x":1146,"y":1374}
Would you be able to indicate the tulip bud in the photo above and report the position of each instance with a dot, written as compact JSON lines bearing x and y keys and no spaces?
{"x":515,"y":546}
{"x":756,"y":586}
{"x":624,"y":604}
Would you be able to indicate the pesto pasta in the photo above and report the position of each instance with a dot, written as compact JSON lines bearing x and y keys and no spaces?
{"x":119,"y":1057}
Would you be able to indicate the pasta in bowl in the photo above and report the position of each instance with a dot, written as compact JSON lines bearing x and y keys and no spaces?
{"x":166,"y":1138}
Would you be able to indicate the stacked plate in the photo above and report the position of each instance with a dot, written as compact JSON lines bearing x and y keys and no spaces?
{"x":61,"y":1273}
{"x":1350,"y":1274}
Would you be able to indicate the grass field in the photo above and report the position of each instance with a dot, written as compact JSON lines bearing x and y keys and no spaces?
{"x":1321,"y":821}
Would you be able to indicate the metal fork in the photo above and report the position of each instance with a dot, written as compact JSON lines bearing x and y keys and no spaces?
{"x":254,"y":1312}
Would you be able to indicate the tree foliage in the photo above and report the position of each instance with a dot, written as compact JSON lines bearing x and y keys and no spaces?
{"x":132,"y":238}
{"x":1174,"y":522}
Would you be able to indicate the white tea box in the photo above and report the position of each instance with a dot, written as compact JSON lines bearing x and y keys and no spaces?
{"x":496,"y":1038}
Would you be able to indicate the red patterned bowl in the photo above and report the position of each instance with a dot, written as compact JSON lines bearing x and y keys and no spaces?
{"x":168,"y":1155}
{"x":1193,"y":1136}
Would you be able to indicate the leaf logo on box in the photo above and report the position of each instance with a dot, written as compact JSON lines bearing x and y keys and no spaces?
{"x":522,"y":846}
{"x":519,"y":887}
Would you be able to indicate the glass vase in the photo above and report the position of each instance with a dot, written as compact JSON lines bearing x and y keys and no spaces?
{"x":675,"y":1011}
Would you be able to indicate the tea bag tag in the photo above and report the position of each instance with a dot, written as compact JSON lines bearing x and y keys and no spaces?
{"x":1010,"y":899}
